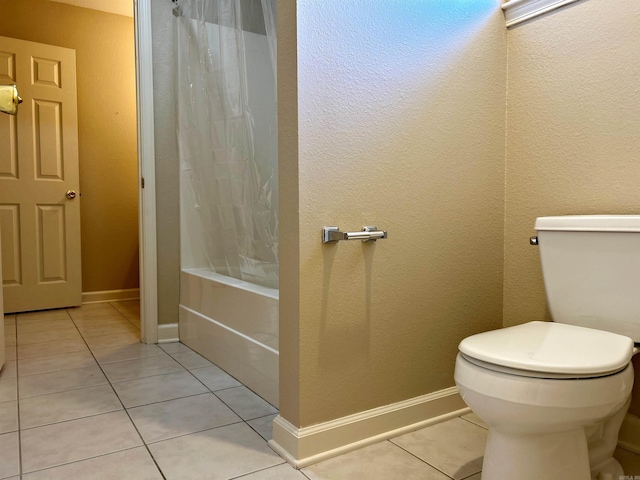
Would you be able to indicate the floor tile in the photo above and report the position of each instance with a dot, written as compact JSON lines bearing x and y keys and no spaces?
{"x":213,"y":454}
{"x":8,"y":389}
{"x":190,"y":360}
{"x":10,"y":369}
{"x":55,"y":347}
{"x":215,"y":378}
{"x":263,"y":425}
{"x":48,"y":336}
{"x":27,"y":328}
{"x":60,"y":407}
{"x":122,"y":326}
{"x":143,"y":391}
{"x":8,"y":416}
{"x":60,"y":443}
{"x":473,"y":418}
{"x":174,"y":347}
{"x":455,"y":447}
{"x":141,"y":367}
{"x":43,"y":316}
{"x":126,"y":352}
{"x":10,"y":352}
{"x":164,"y":420}
{"x":127,"y":307}
{"x":381,"y":461}
{"x":630,"y":461}
{"x":279,"y":472}
{"x":9,"y":455}
{"x":104,"y":341}
{"x":55,"y":363}
{"x":113,"y":318}
{"x":94,"y":310}
{"x":135,"y":321}
{"x":246,"y":403}
{"x":133,"y":464}
{"x":62,"y":381}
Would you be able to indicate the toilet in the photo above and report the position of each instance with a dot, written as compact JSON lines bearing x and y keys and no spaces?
{"x":554,"y":394}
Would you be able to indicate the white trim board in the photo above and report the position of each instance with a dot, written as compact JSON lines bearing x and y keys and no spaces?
{"x":305,"y":446}
{"x":168,"y":332}
{"x":518,"y":11}
{"x":110,"y":295}
{"x":629,"y":437}
{"x":147,"y":171}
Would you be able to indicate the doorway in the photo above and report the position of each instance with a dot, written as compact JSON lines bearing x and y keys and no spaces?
{"x":104,"y":43}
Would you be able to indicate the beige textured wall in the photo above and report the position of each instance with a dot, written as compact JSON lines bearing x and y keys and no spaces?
{"x":106,"y":127}
{"x":167,"y":165}
{"x":573,"y":123}
{"x":400,"y":111}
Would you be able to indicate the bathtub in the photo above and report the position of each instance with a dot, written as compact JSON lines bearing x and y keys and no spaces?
{"x":234,"y":324}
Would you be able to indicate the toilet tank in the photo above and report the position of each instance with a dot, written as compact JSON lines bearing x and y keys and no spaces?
{"x":591,"y":270}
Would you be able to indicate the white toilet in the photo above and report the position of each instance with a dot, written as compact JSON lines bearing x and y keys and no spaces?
{"x":554,"y":394}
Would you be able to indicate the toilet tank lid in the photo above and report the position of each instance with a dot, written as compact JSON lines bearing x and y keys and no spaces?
{"x":590,"y":223}
{"x":550,"y":347}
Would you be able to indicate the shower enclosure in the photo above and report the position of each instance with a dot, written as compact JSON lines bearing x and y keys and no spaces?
{"x":227,"y":138}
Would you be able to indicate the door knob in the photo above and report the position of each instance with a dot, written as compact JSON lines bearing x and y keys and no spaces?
{"x":71,"y":194}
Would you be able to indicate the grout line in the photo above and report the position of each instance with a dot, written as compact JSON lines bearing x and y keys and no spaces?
{"x":71,"y":419}
{"x":146,"y":376}
{"x":190,"y":433}
{"x":64,"y":391}
{"x":167,"y":400}
{"x":18,"y":405}
{"x":127,"y":413}
{"x":261,"y":470}
{"x":423,"y":460}
{"x":78,"y":461}
{"x":473,"y":423}
{"x":126,"y":409}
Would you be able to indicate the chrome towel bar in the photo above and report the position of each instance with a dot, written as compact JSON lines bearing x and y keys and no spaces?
{"x":367,"y":234}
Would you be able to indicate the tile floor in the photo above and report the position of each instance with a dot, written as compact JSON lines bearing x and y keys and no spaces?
{"x":81,"y":398}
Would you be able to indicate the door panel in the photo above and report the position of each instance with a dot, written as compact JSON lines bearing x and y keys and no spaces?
{"x":10,"y":228}
{"x":51,"y":244}
{"x":38,"y":165}
{"x":8,"y":147}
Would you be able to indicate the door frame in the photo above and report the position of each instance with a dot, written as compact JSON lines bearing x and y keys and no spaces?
{"x":147,"y":173}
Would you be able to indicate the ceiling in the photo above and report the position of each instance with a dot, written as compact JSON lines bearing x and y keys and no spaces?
{"x":119,"y":7}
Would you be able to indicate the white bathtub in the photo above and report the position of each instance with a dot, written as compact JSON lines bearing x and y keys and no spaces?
{"x":233,"y":324}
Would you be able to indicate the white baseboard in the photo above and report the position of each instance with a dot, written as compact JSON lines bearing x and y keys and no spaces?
{"x":110,"y":295}
{"x":305,"y":446}
{"x":168,"y":333}
{"x":629,"y":437}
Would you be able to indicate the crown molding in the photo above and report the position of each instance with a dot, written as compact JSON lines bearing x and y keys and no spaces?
{"x":517,"y":11}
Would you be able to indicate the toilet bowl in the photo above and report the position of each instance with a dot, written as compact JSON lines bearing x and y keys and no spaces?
{"x":547,"y":428}
{"x":554,"y":394}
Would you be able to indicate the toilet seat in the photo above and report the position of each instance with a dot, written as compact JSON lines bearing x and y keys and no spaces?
{"x":549,"y":350}
{"x":534,"y":374}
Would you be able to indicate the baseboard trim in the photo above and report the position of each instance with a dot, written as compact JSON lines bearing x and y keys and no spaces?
{"x":168,"y":333}
{"x":305,"y":446}
{"x":110,"y":295}
{"x":629,"y":437}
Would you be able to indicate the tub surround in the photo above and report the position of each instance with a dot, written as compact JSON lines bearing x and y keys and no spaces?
{"x":235,"y":325}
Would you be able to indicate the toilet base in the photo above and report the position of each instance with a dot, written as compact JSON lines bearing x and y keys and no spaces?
{"x":609,"y":470}
{"x":553,"y":456}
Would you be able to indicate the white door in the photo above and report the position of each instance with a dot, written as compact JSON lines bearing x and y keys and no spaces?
{"x":39,"y":180}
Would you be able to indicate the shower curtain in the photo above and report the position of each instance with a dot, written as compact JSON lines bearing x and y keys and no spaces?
{"x":227,"y":133}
